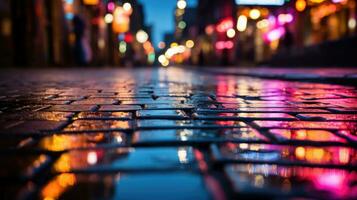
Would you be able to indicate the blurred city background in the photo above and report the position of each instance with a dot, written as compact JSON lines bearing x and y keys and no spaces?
{"x":129,"y":33}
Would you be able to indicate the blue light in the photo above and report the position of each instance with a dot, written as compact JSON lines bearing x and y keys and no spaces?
{"x":69,"y":16}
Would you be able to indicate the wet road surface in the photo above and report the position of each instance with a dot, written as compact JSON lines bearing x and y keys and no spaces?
{"x":175,"y":134}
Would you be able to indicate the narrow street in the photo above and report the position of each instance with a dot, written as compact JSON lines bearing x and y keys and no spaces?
{"x":177,"y":133}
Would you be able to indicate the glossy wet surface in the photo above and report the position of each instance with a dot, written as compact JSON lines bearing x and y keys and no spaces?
{"x":175,"y":134}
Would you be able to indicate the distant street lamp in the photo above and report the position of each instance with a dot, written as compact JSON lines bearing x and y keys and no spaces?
{"x":181,"y":4}
{"x":142,"y":36}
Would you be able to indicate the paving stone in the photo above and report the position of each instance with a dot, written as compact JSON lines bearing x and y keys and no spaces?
{"x":32,"y":127}
{"x":189,"y":124}
{"x":332,"y":117}
{"x":263,"y":110}
{"x":272,"y":181}
{"x":119,"y":108}
{"x":196,"y":136}
{"x":95,"y":101}
{"x":173,"y":133}
{"x":98,"y":125}
{"x":72,"y":108}
{"x":22,"y":167}
{"x":286,"y":155}
{"x":64,"y":142}
{"x":122,"y":185}
{"x":306,"y":135}
{"x":331,"y":125}
{"x":246,"y":116}
{"x":104,"y":115}
{"x":163,"y":114}
{"x":125,"y":159}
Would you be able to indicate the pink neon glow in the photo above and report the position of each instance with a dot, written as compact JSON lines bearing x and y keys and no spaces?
{"x":275,"y":34}
{"x":224,"y":45}
{"x":111,"y":6}
{"x":334,"y":182}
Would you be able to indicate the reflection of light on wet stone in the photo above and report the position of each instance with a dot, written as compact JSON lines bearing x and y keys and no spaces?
{"x":92,"y":158}
{"x":243,"y":146}
{"x":182,"y":155}
{"x":118,"y":139}
{"x":259,"y":181}
{"x":185,"y":134}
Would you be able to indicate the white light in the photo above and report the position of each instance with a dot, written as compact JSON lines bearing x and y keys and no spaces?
{"x":352,"y":23}
{"x":254,"y":13}
{"x":231,"y":33}
{"x":162,"y":59}
{"x":142,"y":36}
{"x":242,"y":23}
{"x":108,"y":18}
{"x":182,"y":155}
{"x":92,"y":158}
{"x":127,"y":6}
{"x":181,"y":4}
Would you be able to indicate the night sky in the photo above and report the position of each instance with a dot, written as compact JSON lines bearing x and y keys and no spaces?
{"x":160,"y":13}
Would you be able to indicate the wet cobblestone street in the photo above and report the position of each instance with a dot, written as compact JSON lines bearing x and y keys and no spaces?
{"x":176,"y":134}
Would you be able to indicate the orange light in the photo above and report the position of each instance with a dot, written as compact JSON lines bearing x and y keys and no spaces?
{"x":91,"y":2}
{"x":300,"y":153}
{"x":300,"y":5}
{"x":121,"y":21}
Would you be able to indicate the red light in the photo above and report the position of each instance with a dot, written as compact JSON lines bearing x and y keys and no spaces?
{"x":128,"y":38}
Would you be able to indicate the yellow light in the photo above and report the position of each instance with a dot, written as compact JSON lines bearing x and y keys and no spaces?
{"x":142,"y":36}
{"x":242,"y":23}
{"x":108,"y":18}
{"x":316,"y":1}
{"x":174,"y":44}
{"x":300,"y":5}
{"x":231,"y":33}
{"x":181,"y":4}
{"x":190,"y":44}
{"x":254,"y":14}
{"x":263,"y":24}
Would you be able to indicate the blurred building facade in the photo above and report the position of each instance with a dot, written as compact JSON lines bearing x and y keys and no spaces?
{"x":248,"y":32}
{"x":74,"y":32}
